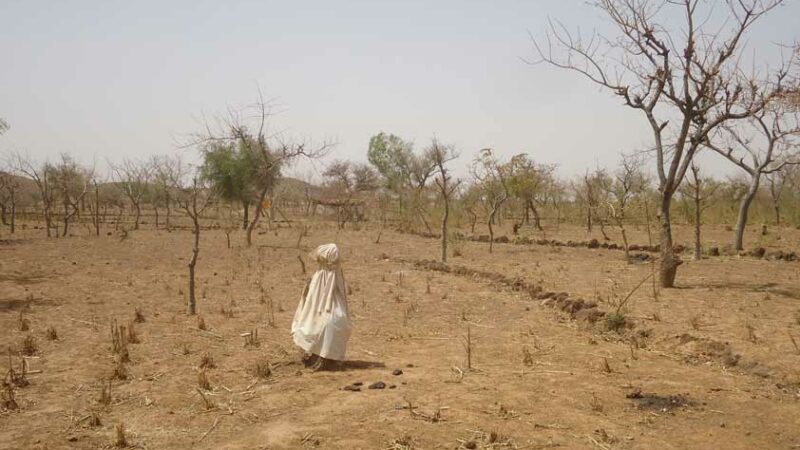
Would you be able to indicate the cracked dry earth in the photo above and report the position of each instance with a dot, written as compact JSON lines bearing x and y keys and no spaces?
{"x":707,"y":365}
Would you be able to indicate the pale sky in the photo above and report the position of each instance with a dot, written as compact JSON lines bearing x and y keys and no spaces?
{"x":106,"y":79}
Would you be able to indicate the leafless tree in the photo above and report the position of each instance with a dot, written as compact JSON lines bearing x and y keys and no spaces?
{"x":591,"y":193}
{"x":700,"y":190}
{"x":163,"y":170}
{"x":40,"y":175}
{"x":440,"y":155}
{"x":686,"y":83}
{"x":133,"y":179}
{"x":627,"y":182}
{"x":777,"y":184}
{"x":193,"y":198}
{"x":490,"y":175}
{"x":9,"y":187}
{"x":769,"y":139}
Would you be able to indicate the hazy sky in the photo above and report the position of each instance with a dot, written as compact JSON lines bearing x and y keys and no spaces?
{"x":108,"y":79}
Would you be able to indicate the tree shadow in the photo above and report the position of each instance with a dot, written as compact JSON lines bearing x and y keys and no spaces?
{"x":362,"y":365}
{"x":767,"y":288}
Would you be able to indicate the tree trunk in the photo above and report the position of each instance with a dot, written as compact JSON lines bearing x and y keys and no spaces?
{"x":537,"y":221}
{"x":246,"y":218}
{"x":445,"y":216}
{"x":13,"y":212}
{"x":138,"y":215}
{"x":491,"y":229}
{"x":47,"y":220}
{"x":744,"y":207}
{"x":96,"y":211}
{"x":66,"y":221}
{"x":669,"y":262}
{"x":256,"y":216}
{"x":698,"y":254}
{"x":192,"y":306}
{"x":625,"y":242}
{"x":589,"y":219}
{"x":3,"y":214}
{"x":169,"y":211}
{"x":155,"y":209}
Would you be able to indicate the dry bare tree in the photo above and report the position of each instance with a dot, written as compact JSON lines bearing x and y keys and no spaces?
{"x":491,"y":177}
{"x":686,"y":81}
{"x":440,"y":154}
{"x":9,"y":187}
{"x":590,"y":192}
{"x":133,"y":178}
{"x":627,"y":182}
{"x":39,"y":173}
{"x":700,"y":190}
{"x":193,"y":197}
{"x":778,"y":182}
{"x":761,"y":145}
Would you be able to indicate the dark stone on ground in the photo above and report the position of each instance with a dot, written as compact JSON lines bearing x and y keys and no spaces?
{"x":378,"y":385}
{"x":397,"y":372}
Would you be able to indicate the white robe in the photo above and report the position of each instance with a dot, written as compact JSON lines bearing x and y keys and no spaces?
{"x":321,"y":323}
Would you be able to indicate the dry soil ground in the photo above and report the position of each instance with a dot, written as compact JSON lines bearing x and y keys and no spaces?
{"x":710,"y":364}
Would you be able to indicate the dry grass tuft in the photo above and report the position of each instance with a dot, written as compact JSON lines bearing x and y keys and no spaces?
{"x":23,"y":323}
{"x":133,"y":336}
{"x":595,"y":403}
{"x":227,"y":312}
{"x":207,"y":361}
{"x":751,"y":333}
{"x":29,"y":346}
{"x":202,"y":380}
{"x":138,"y":316}
{"x":8,"y":399}
{"x":120,"y":371}
{"x":51,"y":333}
{"x":261,"y":369}
{"x":119,"y":342}
{"x":405,"y":442}
{"x":121,"y":441}
{"x":606,"y":366}
{"x":14,"y":377}
{"x":251,"y":339}
{"x":794,"y":342}
{"x":105,"y":394}
{"x":94,"y":419}
{"x":206,"y":401}
{"x":527,"y":356}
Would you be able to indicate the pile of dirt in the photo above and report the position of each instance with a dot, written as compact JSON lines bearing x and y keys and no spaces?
{"x":662,"y":403}
{"x":698,"y":350}
{"x":577,"y":308}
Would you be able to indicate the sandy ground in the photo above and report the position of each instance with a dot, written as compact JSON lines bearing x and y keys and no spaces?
{"x":710,"y":364}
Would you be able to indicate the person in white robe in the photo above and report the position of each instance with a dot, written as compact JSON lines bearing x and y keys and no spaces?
{"x":321,"y":325}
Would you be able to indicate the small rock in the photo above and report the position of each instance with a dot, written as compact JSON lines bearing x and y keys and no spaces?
{"x":392,"y":386}
{"x":358,"y":383}
{"x":397,"y":372}
{"x":378,"y":385}
{"x":352,"y":388}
